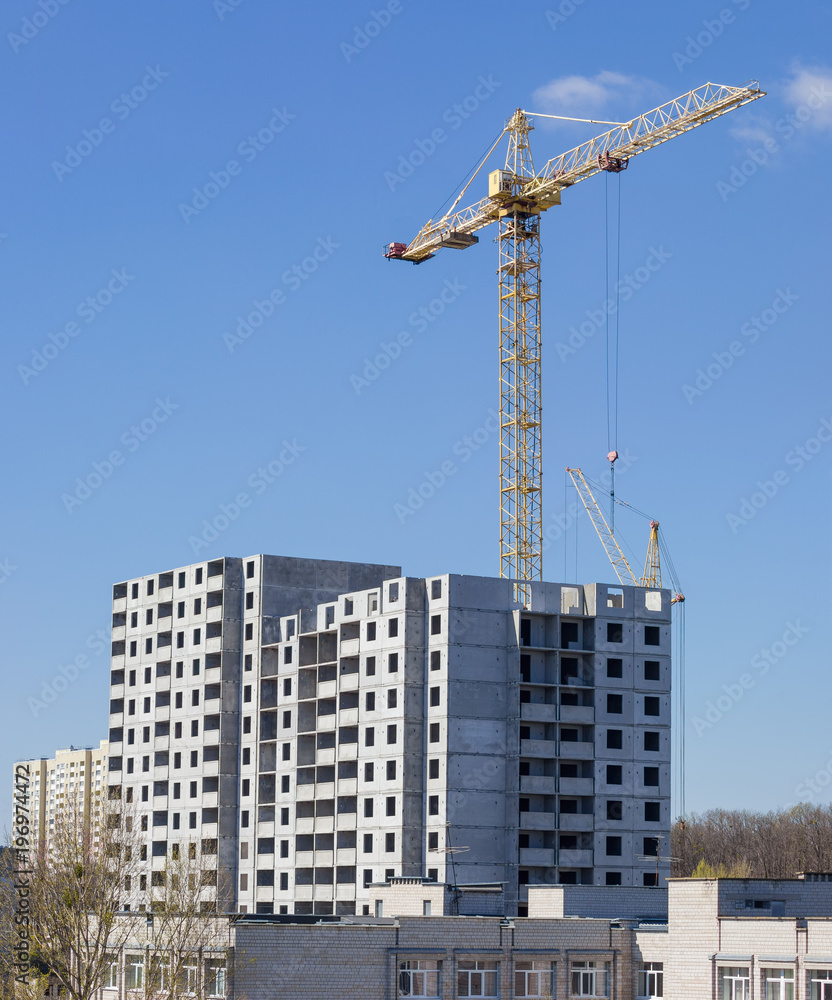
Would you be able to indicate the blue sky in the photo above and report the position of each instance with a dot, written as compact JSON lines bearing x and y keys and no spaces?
{"x":195,"y":200}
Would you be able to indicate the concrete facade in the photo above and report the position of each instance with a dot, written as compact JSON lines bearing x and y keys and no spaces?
{"x":75,"y":778}
{"x":330,"y":726}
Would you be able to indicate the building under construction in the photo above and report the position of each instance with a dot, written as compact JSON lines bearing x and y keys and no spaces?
{"x":320,"y":727}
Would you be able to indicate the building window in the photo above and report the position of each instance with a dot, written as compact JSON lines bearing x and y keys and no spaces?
{"x":369,"y":736}
{"x":391,"y":733}
{"x":651,"y":706}
{"x":651,"y":740}
{"x":134,"y":967}
{"x":614,"y":739}
{"x":287,"y":751}
{"x":736,"y":983}
{"x":651,"y":980}
{"x":651,"y":846}
{"x":368,"y":807}
{"x":435,"y":694}
{"x":250,"y":570}
{"x":368,"y":843}
{"x":390,"y":805}
{"x":391,"y":770}
{"x":370,"y":701}
{"x":435,"y":659}
{"x":435,"y":589}
{"x":436,"y":624}
{"x":433,"y":732}
{"x":652,"y":636}
{"x":476,"y":978}
{"x":615,"y":632}
{"x":250,"y":631}
{"x":368,"y":771}
{"x":284,"y":881}
{"x":133,"y":648}
{"x":614,"y":704}
{"x":389,"y":842}
{"x":393,"y":628}
{"x":651,"y":776}
{"x":615,"y":668}
{"x":613,"y":774}
{"x":433,"y":805}
{"x":392,"y":698}
{"x":371,"y":631}
{"x":652,"y":812}
{"x":287,"y":720}
{"x":198,"y":575}
{"x":284,"y":783}
{"x":111,"y":972}
{"x":433,"y":841}
{"x":433,"y":767}
{"x":419,"y":978}
{"x":393,"y":663}
{"x":613,"y":847}
{"x":615,"y":809}
{"x":371,"y":666}
{"x":247,"y":661}
{"x":590,"y":979}
{"x":134,"y":591}
{"x":535,"y":978}
{"x":250,"y":600}
{"x":652,"y":670}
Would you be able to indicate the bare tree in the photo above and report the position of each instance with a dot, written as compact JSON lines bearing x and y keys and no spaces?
{"x":186,"y":947}
{"x":735,"y":843}
{"x":76,"y":886}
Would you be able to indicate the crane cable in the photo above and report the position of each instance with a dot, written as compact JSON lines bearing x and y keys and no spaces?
{"x":680,"y":709}
{"x":469,"y":176}
{"x":612,"y":370}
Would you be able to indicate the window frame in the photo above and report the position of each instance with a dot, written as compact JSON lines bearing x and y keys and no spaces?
{"x":420,"y":974}
{"x":471,"y":969}
{"x":650,"y":980}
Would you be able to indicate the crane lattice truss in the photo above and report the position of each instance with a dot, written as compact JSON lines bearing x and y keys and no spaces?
{"x":517,"y":197}
{"x":599,"y":522}
{"x":652,"y":576}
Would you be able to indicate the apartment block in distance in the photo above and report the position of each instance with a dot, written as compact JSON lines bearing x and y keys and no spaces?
{"x":73,"y":780}
{"x":325,"y":727}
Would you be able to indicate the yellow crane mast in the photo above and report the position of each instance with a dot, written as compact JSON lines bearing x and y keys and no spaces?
{"x":516,"y":198}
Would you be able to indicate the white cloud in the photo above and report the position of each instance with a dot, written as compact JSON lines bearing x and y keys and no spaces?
{"x":590,"y":96}
{"x":810,"y":90}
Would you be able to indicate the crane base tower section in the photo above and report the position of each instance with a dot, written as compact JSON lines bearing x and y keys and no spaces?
{"x":316,"y":727}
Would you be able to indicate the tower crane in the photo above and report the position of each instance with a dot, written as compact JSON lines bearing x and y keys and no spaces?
{"x":652,"y":575}
{"x":517,"y":195}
